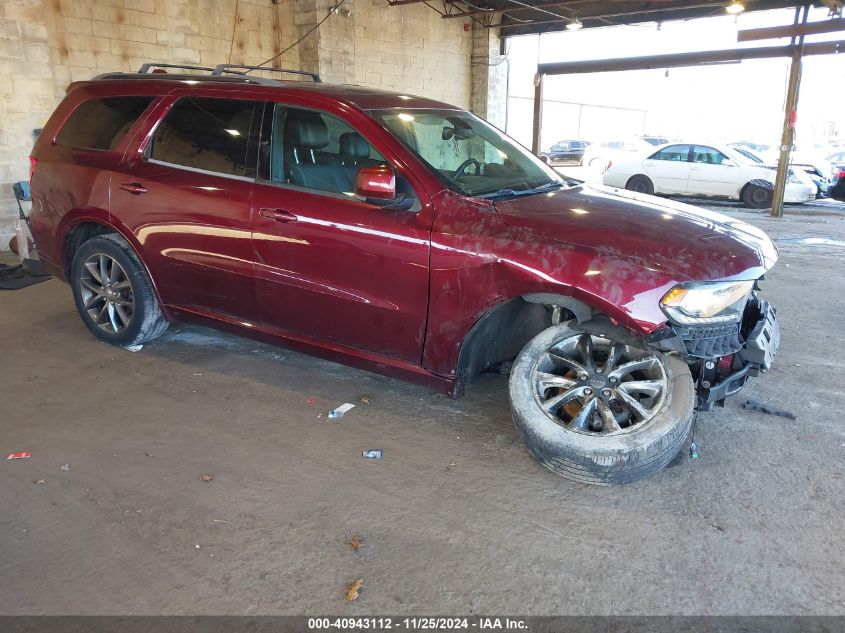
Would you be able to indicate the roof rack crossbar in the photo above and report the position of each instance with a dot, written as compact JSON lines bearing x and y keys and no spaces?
{"x":238,"y":68}
{"x":145,"y":69}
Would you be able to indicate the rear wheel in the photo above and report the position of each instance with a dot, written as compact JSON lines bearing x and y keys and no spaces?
{"x":113,"y":294}
{"x":597,"y":410}
{"x":756,"y":197}
{"x":640,"y":184}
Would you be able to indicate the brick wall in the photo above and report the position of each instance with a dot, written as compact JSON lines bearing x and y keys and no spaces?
{"x":45,"y":44}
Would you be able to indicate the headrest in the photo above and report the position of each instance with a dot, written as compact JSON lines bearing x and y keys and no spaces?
{"x":306,"y":129}
{"x":353,"y":144}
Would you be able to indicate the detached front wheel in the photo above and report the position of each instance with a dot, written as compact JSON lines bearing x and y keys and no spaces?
{"x":597,"y":410}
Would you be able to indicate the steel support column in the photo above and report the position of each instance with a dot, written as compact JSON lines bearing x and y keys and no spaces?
{"x":538,"y":113}
{"x":787,"y":138}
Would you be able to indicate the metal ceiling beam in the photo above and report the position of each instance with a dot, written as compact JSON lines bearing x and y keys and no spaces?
{"x":791,"y":30}
{"x":539,"y":6}
{"x":675,"y":60}
{"x":584,"y":16}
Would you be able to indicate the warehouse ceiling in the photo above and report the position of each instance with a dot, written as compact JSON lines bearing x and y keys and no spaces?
{"x":522,"y":17}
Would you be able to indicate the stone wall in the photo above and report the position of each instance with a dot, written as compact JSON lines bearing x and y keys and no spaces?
{"x":45,"y":44}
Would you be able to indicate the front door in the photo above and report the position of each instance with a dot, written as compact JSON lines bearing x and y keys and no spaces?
{"x":185,"y":193}
{"x":669,"y":169}
{"x":328,"y":264}
{"x":712,"y":173}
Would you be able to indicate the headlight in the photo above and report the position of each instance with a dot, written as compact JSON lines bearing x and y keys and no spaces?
{"x":703,"y":303}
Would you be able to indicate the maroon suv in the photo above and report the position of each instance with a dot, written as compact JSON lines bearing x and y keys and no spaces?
{"x":405,"y":236}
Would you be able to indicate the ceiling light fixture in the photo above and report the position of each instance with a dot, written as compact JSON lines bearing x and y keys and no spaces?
{"x":574,"y":25}
{"x":735,"y":7}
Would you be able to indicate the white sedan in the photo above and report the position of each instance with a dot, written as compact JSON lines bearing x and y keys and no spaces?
{"x":704,"y":170}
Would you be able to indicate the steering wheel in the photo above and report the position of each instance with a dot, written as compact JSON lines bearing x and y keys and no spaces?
{"x":465,"y":165}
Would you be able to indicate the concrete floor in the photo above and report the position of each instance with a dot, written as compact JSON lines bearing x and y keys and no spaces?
{"x":457,"y":518}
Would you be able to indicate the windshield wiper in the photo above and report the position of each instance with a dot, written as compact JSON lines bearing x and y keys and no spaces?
{"x":516,"y":193}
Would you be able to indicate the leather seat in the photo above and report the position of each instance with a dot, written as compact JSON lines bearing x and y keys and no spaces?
{"x":355,"y":154}
{"x":305,"y":134}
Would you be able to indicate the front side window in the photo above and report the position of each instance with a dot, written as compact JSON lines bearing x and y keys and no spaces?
{"x":468,"y":154}
{"x":678,"y":153}
{"x":708,"y":155}
{"x":207,"y":133}
{"x":102,"y":123}
{"x":315,"y":150}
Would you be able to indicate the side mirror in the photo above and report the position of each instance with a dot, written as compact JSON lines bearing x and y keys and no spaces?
{"x":376,"y":182}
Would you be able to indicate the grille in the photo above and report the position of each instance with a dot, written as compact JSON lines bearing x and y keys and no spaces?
{"x":712,"y":340}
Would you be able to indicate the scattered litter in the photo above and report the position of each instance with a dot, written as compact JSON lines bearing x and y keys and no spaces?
{"x":311,"y":401}
{"x":364,"y":400}
{"x":352,"y":589}
{"x":19,"y":455}
{"x":197,"y":374}
{"x":40,"y":482}
{"x":133,"y":348}
{"x":753,"y":405}
{"x":206,"y":477}
{"x":219,"y":521}
{"x":148,"y":455}
{"x":196,"y":545}
{"x":355,"y":543}
{"x":721,"y":528}
{"x":372,"y":454}
{"x":693,"y":450}
{"x":64,"y":467}
{"x":319,"y":415}
{"x":338,"y":413}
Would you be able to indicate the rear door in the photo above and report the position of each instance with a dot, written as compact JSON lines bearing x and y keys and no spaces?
{"x":712,"y":173}
{"x":185,"y":193}
{"x":328,"y":264}
{"x":669,"y":168}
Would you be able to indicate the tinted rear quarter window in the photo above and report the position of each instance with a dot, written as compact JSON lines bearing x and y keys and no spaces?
{"x":206,"y":133}
{"x":102,"y":123}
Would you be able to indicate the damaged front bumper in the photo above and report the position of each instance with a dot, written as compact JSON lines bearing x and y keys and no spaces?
{"x":726,"y":354}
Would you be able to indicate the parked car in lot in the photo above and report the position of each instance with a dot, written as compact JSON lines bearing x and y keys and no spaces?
{"x":599,"y":156}
{"x":815,"y":171}
{"x":565,"y":152}
{"x":406,"y":236}
{"x":704,"y":170}
{"x":655,"y":140}
{"x":837,"y":183}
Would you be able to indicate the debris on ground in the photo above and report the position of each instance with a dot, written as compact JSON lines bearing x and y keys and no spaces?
{"x":351,"y":592}
{"x":364,"y":400}
{"x":372,"y":454}
{"x":311,"y":401}
{"x":133,"y":348}
{"x":19,"y":455}
{"x":753,"y":405}
{"x":339,"y":411}
{"x":146,"y":454}
{"x":64,"y":467}
{"x":40,"y":482}
{"x":206,"y":477}
{"x":196,"y":545}
{"x":355,"y":543}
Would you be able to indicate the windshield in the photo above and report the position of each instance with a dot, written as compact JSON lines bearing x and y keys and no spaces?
{"x":468,"y":154}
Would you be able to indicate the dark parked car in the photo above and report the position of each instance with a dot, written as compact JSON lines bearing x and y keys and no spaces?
{"x":837,"y":183}
{"x":565,"y":152}
{"x":406,"y":236}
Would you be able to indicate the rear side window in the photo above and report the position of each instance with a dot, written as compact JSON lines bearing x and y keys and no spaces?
{"x":207,"y":133}
{"x":102,"y":123}
{"x":673,"y":152}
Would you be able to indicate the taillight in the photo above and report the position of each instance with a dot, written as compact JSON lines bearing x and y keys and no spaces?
{"x":608,"y":166}
{"x":32,"y":163}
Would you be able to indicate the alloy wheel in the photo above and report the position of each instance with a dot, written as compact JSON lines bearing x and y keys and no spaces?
{"x":106,"y":293}
{"x":592,"y":385}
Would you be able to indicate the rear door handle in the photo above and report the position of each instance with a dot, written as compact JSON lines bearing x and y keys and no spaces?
{"x":279,"y":215}
{"x":133,"y":187}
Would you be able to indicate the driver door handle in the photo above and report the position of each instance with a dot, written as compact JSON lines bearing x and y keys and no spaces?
{"x":279,"y":215}
{"x":133,"y":187}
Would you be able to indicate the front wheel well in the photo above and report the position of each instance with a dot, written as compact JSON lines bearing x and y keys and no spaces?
{"x":502,"y":332}
{"x":77,"y":236}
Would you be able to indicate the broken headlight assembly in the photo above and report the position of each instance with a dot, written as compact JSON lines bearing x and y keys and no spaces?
{"x":706,"y":303}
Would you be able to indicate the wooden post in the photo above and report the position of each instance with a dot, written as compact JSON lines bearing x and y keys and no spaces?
{"x":538,"y":113}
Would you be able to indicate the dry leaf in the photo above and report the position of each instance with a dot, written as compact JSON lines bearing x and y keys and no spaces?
{"x":206,"y":477}
{"x":352,"y":590}
{"x":355,"y":543}
{"x":40,"y":482}
{"x":365,"y":400}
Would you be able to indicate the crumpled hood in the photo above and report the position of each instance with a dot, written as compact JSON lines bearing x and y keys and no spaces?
{"x":655,"y":233}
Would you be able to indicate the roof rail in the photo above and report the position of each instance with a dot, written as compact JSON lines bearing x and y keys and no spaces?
{"x":143,"y":70}
{"x":239,"y":68}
